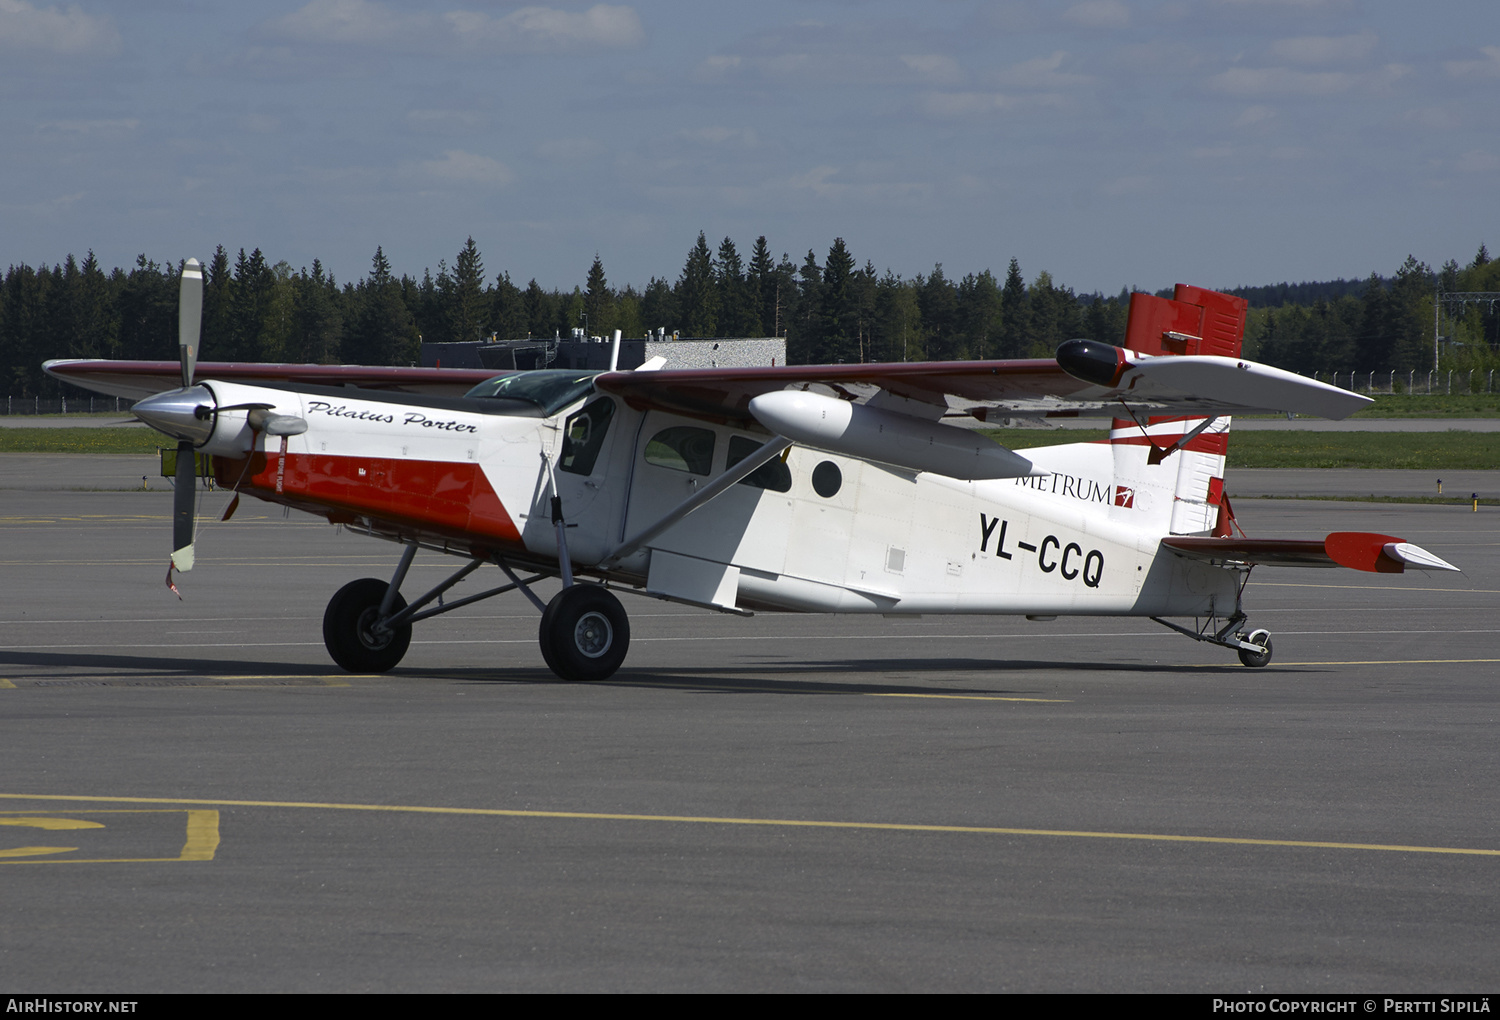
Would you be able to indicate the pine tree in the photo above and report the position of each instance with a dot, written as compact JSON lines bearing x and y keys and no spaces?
{"x":464,"y":301}
{"x":599,"y":301}
{"x":508,"y":310}
{"x":765,"y":288}
{"x":1015,"y":318}
{"x":384,"y":331}
{"x":217,"y":338}
{"x":897,"y":333}
{"x":697,"y":297}
{"x":938,"y":300}
{"x":738,"y":314}
{"x":979,"y":314}
{"x":659,"y":307}
{"x":838,"y":340}
{"x":804,"y":335}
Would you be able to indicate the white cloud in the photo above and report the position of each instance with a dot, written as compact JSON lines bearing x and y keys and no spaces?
{"x":935,"y":67}
{"x":1478,"y":162}
{"x":1041,"y":73}
{"x":1099,"y":14}
{"x":345,"y":21}
{"x":1283,"y":81}
{"x":461,"y":167}
{"x":526,"y":30}
{"x":443,"y":120}
{"x":1325,"y":49}
{"x":569,"y":150}
{"x":24,"y":26}
{"x":1254,"y":115}
{"x":117,"y":126}
{"x":548,"y":30}
{"x":957,"y":105}
{"x":1309,"y":6}
{"x":1129,"y":185}
{"x":744,"y":137}
{"x":1489,"y":67}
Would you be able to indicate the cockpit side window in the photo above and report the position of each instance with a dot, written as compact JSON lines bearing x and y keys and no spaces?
{"x":682,"y":448}
{"x":583,"y":436}
{"x":775,"y":476}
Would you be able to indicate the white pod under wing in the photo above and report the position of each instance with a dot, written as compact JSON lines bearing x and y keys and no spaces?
{"x":841,"y":426}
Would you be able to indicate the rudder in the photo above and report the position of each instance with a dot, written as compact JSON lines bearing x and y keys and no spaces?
{"x":1181,"y":489}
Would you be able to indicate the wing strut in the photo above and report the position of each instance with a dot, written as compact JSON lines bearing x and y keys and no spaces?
{"x":772,"y":449}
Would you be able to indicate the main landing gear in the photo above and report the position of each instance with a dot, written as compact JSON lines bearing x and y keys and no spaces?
{"x":357,"y":631}
{"x":584,"y":634}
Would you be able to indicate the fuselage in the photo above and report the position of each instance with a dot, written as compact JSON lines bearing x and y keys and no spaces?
{"x":816,"y":532}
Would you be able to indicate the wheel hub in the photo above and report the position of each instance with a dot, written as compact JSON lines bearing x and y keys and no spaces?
{"x":371,"y":634}
{"x":593,"y":635}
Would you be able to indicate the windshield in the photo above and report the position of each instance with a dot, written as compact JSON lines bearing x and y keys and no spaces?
{"x":550,"y":389}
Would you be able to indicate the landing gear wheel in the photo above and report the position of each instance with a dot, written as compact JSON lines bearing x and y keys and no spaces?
{"x":584,"y":633}
{"x":1255,"y":660}
{"x":349,"y":628}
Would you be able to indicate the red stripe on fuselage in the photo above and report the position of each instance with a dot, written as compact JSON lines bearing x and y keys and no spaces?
{"x":447,"y":498}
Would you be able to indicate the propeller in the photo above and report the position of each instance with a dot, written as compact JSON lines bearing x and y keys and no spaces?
{"x":189,"y":415}
{"x":184,"y":497}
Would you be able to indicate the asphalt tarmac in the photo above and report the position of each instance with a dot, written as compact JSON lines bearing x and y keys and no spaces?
{"x":195,"y":799}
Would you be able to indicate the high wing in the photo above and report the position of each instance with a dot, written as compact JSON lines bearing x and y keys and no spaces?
{"x":136,"y":380}
{"x":1204,"y":375}
{"x":1087,"y":379}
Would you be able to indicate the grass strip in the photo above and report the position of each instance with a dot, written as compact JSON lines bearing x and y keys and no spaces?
{"x":124,"y":439}
{"x":1408,"y":451}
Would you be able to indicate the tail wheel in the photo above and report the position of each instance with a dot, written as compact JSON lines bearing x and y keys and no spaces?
{"x":1255,"y":660}
{"x":584,"y":633}
{"x":349,"y":630}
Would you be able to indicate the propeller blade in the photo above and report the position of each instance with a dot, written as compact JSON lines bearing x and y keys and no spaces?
{"x":183,"y":500}
{"x":189,"y":318}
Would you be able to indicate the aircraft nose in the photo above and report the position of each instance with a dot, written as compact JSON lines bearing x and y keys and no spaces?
{"x":186,"y":413}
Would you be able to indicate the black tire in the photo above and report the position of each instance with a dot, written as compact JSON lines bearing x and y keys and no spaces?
{"x":348,"y":628}
{"x":584,"y":633}
{"x":1255,"y":660}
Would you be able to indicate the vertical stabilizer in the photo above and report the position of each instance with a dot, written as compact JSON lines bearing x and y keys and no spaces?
{"x":1160,"y":480}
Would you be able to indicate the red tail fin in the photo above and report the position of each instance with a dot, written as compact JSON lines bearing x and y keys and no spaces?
{"x":1193,"y":321}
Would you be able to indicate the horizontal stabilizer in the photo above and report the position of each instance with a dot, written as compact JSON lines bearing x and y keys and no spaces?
{"x":1358,"y":550}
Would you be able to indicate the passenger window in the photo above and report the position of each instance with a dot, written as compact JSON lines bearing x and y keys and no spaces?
{"x":775,"y":475}
{"x":682,"y":448}
{"x":583,"y":437}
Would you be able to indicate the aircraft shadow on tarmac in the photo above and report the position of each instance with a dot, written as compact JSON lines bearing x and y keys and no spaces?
{"x":779,"y":677}
{"x":796,"y":678}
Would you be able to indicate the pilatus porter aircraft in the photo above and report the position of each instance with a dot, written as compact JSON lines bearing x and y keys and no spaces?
{"x":808,"y":488}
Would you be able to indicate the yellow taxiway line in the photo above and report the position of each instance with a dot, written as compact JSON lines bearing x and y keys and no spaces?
{"x":800,"y":823}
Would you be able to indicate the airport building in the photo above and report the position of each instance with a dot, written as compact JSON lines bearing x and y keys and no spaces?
{"x":584,"y":352}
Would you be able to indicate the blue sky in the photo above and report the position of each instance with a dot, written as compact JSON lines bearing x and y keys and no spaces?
{"x":1111,"y":142}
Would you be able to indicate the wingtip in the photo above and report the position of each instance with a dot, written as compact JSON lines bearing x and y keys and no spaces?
{"x":1417,"y":557}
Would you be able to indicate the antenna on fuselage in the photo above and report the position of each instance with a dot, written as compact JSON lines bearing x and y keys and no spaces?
{"x":614,"y":352}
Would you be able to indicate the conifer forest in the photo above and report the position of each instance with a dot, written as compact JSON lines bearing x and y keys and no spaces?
{"x":829,"y":309}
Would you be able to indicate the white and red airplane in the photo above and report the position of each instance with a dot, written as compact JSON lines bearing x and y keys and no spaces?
{"x":814,"y":488}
